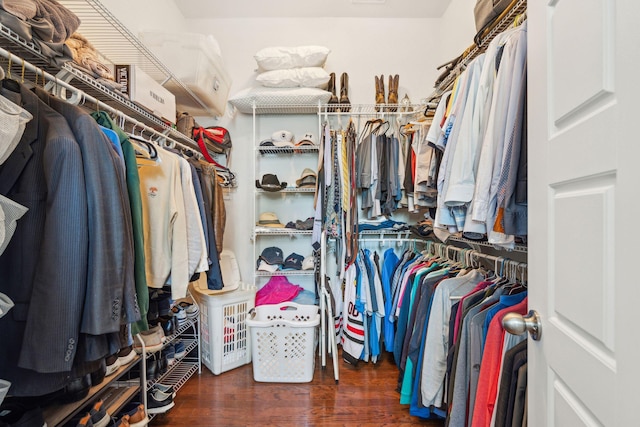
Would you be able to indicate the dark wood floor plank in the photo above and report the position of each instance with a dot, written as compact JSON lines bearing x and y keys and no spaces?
{"x":365,"y":396}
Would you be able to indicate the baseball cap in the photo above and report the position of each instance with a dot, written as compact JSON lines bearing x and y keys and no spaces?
{"x":270,"y":182}
{"x":307,"y":139}
{"x":282,"y":138}
{"x":269,"y":219}
{"x":265,"y":266}
{"x":308,"y":263}
{"x":293,"y":262}
{"x":272,"y":255}
{"x":307,"y":178}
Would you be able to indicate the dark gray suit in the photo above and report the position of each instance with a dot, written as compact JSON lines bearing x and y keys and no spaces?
{"x":110,"y":280}
{"x":44,"y":268}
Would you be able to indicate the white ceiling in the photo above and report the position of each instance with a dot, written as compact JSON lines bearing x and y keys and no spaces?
{"x":312,"y":8}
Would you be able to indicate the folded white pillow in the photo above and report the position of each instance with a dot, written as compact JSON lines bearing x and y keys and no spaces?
{"x":284,"y":58}
{"x":295,"y":77}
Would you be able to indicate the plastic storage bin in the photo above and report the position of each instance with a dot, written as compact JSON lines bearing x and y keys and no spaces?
{"x":284,"y":338}
{"x":225,"y":339}
{"x":196,"y":60}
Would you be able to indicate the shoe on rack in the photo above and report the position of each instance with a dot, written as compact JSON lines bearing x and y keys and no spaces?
{"x":76,"y":389}
{"x":153,"y":340}
{"x":345,"y":104}
{"x":166,"y":389}
{"x":380,"y":98}
{"x":332,"y":88}
{"x":126,"y":355}
{"x":85,"y":421}
{"x":20,"y":415}
{"x":122,"y":422}
{"x":180,"y":314}
{"x":170,"y":353}
{"x":393,"y":92}
{"x":163,"y":364}
{"x":190,"y":308}
{"x":152,"y":369}
{"x":159,"y":402}
{"x":167,"y":324}
{"x":180,"y":349}
{"x":98,"y":375}
{"x":99,"y":415}
{"x":137,"y":416}
{"x":113,"y":364}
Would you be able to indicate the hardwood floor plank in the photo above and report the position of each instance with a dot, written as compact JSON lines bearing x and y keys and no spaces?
{"x":365,"y":396}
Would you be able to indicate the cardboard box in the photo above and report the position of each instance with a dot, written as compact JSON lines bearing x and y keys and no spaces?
{"x":146,"y":92}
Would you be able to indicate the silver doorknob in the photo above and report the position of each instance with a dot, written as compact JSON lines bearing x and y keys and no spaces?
{"x":518,"y":324}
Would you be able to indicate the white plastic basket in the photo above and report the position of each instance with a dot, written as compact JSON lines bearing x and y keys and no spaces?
{"x":225,"y":339}
{"x":283,"y":342}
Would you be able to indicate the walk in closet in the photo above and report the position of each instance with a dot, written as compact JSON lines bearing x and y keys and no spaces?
{"x":350,"y":212}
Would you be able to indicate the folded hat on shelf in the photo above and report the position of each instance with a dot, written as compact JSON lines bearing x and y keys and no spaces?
{"x":282,"y":138}
{"x":293,"y":262}
{"x":308,"y":263}
{"x":307,"y":179}
{"x":270,"y":182}
{"x":272,"y":255}
{"x":307,"y":139}
{"x":269,"y":219}
{"x":265,"y":266}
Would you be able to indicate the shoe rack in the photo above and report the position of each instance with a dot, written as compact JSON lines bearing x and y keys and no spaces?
{"x":116,"y":391}
{"x":176,"y":375}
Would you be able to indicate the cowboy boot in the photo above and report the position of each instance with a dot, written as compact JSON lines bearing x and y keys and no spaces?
{"x":344,"y":93}
{"x":332,"y":89}
{"x":393,"y":92}
{"x":379,"y":91}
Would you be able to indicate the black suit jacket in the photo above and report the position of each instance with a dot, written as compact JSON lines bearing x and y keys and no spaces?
{"x":44,"y":268}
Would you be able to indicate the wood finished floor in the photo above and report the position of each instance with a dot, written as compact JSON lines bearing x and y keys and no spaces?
{"x":365,"y":396}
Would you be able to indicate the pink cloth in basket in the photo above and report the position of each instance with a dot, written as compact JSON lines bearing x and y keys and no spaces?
{"x":278,"y":289}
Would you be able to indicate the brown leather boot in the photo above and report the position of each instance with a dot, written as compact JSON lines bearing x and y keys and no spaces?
{"x":379,"y":91}
{"x":332,"y":88}
{"x":345,"y":104}
{"x":393,"y":92}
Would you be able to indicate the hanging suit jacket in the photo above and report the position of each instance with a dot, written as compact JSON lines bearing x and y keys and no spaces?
{"x":110,"y":297}
{"x":110,"y":276}
{"x":44,"y":268}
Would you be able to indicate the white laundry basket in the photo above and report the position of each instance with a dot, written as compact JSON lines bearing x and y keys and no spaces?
{"x":225,"y":339}
{"x":284,"y":338}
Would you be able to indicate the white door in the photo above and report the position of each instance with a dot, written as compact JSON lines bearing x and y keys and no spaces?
{"x":584,"y":216}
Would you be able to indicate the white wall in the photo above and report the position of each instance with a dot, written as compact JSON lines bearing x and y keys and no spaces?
{"x":147,"y":14}
{"x":362,"y":47}
{"x":458,"y":29}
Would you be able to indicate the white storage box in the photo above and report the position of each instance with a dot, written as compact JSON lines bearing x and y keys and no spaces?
{"x":284,"y":338}
{"x":146,"y":92}
{"x":196,"y":60}
{"x":225,"y":339}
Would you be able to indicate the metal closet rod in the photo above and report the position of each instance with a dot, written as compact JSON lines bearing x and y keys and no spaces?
{"x":80,"y":96}
{"x":443,"y":248}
